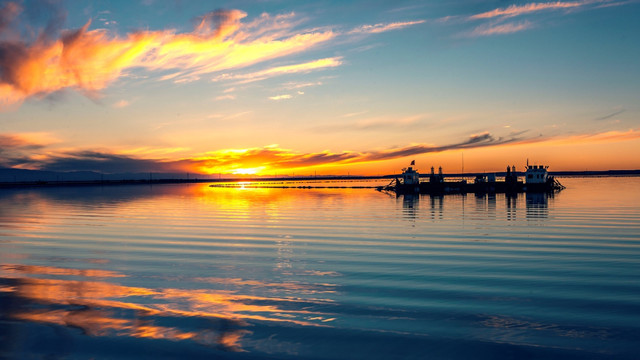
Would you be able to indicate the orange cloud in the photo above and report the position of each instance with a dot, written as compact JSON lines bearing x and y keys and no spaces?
{"x":26,"y":140}
{"x":274,"y":158}
{"x":16,"y":149}
{"x":255,"y":160}
{"x":268,"y":159}
{"x":206,"y":53}
{"x":236,"y":161}
{"x":89,"y":60}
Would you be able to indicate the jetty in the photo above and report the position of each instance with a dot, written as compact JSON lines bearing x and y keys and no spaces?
{"x":536,"y":179}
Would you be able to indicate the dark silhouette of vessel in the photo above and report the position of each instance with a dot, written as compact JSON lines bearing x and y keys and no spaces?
{"x":536,"y":179}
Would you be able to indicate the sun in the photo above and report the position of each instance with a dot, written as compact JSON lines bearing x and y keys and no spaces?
{"x":248,"y":171}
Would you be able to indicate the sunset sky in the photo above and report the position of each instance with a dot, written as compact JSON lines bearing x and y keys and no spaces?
{"x":325,"y":87}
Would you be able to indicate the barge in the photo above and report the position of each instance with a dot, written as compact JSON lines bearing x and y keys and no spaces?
{"x":536,"y":179}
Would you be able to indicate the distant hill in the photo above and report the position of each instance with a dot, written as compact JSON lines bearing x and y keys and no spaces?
{"x":20,"y":175}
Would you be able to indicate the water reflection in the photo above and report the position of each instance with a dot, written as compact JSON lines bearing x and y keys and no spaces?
{"x":491,"y":205}
{"x":481,"y":202}
{"x":488,"y":206}
{"x":284,"y":257}
{"x":436,"y":206}
{"x":410,"y":205}
{"x":511,"y":205}
{"x":92,"y":197}
{"x":85,"y":305}
{"x":538,"y":205}
{"x":247,"y":270}
{"x":105,"y":309}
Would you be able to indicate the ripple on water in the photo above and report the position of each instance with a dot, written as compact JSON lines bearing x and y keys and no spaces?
{"x":320,"y":273}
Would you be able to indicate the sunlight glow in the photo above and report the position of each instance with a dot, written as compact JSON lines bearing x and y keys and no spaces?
{"x":248,"y":171}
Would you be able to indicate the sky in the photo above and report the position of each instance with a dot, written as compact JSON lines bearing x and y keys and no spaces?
{"x":318,"y":87}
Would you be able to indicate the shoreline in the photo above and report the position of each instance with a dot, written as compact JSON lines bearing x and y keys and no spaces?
{"x":56,"y":183}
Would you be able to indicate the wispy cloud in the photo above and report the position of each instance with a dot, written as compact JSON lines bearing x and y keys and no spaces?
{"x":352,"y":114}
{"x":280,"y":97}
{"x":516,"y":10}
{"x":299,"y":85}
{"x":379,"y":28}
{"x":474,"y":141}
{"x":499,"y":18}
{"x":601,"y":137}
{"x":225,"y":97}
{"x":613,"y":114}
{"x":497,"y":29}
{"x":282,"y":70}
{"x":236,"y":115}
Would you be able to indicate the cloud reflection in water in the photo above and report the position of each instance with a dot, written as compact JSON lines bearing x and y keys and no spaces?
{"x":104,"y":309}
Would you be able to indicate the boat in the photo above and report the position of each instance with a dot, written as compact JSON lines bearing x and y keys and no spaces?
{"x":536,"y":179}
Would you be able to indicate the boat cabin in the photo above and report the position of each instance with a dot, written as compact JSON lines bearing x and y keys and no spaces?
{"x":410,"y":176}
{"x":536,"y":174}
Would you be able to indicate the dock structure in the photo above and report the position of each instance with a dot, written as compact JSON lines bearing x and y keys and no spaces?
{"x":536,"y":179}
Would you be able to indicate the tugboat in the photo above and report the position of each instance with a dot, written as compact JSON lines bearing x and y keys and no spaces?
{"x":537,"y":179}
{"x":410,"y":179}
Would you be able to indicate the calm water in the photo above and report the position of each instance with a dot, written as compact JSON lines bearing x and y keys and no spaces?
{"x":190,"y":271}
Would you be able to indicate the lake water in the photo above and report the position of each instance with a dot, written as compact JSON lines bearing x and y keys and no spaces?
{"x":192,"y":271}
